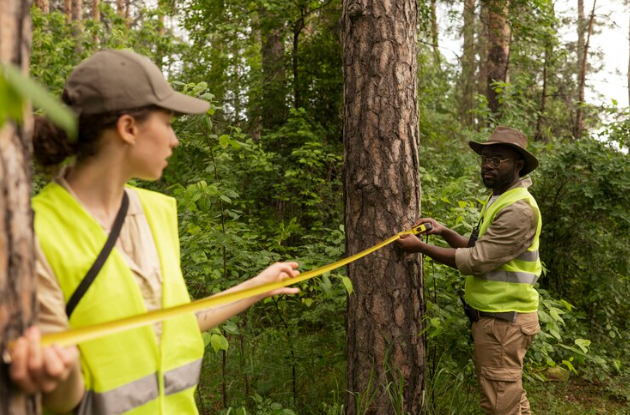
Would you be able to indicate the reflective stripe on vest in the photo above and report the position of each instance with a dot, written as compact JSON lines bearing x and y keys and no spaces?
{"x":509,"y":287}
{"x":125,"y":373}
{"x":139,"y":392}
{"x":508,"y":276}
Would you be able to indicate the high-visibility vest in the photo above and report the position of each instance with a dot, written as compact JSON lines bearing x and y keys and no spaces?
{"x":125,"y":373}
{"x":511,"y":286}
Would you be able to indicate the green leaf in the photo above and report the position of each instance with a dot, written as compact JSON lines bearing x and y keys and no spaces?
{"x":219,"y":342}
{"x":224,"y":140}
{"x":583,"y":344}
{"x":348,"y":284}
{"x":31,"y":90}
{"x":206,"y":338}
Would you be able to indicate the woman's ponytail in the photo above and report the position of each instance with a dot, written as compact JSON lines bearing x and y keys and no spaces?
{"x":51,"y":145}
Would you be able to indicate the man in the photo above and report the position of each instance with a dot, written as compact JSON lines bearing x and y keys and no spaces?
{"x":502,"y":266}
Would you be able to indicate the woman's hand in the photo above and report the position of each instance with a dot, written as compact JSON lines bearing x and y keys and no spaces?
{"x":277,"y":272}
{"x":38,"y":369}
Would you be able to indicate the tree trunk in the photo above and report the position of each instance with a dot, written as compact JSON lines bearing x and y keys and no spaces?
{"x":468,"y":64}
{"x":17,"y":278}
{"x":274,"y":111}
{"x":297,"y":30}
{"x":579,"y":116}
{"x":385,"y":351}
{"x":434,"y":33}
{"x":68,"y":10}
{"x":128,"y":12}
{"x":498,"y":48}
{"x":44,"y":5}
{"x":543,"y":98}
{"x":96,"y":12}
{"x":120,"y":7}
{"x":580,"y":32}
{"x":77,"y":10}
{"x":482,"y":48}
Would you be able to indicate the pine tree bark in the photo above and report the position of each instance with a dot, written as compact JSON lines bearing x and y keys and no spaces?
{"x":43,"y":5}
{"x":467,"y":79}
{"x":17,"y":277}
{"x":382,"y":195}
{"x":96,"y":12}
{"x":580,"y":32}
{"x":499,"y":34}
{"x":482,"y":50}
{"x":77,"y":10}
{"x":67,"y":8}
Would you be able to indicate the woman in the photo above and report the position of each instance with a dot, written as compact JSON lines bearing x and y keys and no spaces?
{"x":125,"y":109}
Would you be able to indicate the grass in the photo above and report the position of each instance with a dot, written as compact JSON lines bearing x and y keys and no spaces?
{"x":579,"y":397}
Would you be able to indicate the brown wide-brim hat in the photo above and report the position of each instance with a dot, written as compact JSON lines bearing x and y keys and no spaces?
{"x":114,"y":80}
{"x":512,"y":138}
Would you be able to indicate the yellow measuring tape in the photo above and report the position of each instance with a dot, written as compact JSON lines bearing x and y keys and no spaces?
{"x":83,"y":334}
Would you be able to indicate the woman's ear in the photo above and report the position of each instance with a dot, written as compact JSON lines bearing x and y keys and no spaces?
{"x":127,"y":129}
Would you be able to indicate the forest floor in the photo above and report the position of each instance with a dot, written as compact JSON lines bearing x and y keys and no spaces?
{"x":579,"y":397}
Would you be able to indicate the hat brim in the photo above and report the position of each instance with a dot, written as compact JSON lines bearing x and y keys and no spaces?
{"x":183,"y":104}
{"x":531,"y":162}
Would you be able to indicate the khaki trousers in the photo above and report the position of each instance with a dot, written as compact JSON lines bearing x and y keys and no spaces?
{"x":500,"y":348}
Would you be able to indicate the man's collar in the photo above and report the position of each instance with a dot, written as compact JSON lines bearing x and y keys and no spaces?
{"x":525,"y":182}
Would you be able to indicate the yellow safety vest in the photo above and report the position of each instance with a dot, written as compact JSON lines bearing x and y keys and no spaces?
{"x":126,"y":373}
{"x":511,"y":286}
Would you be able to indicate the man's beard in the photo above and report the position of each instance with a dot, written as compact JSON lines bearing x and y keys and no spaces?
{"x":500,"y":181}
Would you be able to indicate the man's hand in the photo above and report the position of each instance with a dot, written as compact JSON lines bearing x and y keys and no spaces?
{"x":35,"y":369}
{"x":436,"y":228}
{"x":409,"y":243}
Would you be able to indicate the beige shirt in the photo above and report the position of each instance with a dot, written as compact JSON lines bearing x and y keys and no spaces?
{"x":137,"y":247}
{"x":508,"y":236}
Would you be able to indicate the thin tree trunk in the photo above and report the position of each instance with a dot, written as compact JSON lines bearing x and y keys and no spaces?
{"x":96,"y":12}
{"x":120,"y":7}
{"x":43,"y":5}
{"x":68,"y":10}
{"x":297,"y":29}
{"x":385,"y":351}
{"x":17,"y":277}
{"x":498,"y":48}
{"x":77,"y":10}
{"x":580,"y":32}
{"x":434,"y":32}
{"x":468,"y":64}
{"x":579,"y":115}
{"x":128,"y":12}
{"x":254,"y":115}
{"x":543,"y":98}
{"x":482,"y":47}
{"x":274,"y":111}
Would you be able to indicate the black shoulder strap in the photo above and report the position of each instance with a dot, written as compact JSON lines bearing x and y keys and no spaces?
{"x":101,"y":258}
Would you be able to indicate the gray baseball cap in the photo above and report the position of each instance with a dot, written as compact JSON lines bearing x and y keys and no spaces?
{"x":114,"y":80}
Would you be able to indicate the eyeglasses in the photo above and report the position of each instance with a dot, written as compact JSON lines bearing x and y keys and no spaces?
{"x":494,"y":162}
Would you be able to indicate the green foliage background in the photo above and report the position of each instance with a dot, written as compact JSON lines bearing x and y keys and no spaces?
{"x":251,"y":192}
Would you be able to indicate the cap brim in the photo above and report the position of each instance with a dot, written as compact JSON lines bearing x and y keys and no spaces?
{"x":531,"y":162}
{"x":183,"y":104}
